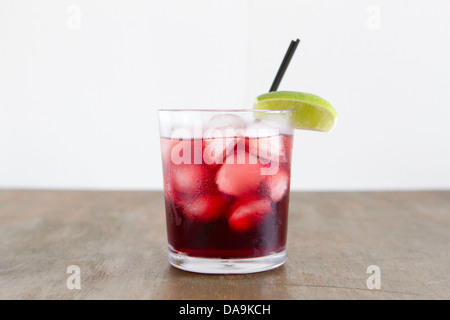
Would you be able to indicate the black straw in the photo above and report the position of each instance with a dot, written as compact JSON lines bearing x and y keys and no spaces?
{"x":287,"y":58}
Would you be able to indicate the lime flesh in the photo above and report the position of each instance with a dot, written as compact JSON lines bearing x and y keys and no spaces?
{"x":310,"y":112}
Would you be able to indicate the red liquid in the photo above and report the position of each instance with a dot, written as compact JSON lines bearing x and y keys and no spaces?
{"x":227,"y":198}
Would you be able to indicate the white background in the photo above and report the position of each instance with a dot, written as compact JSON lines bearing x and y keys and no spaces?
{"x":80,"y":83}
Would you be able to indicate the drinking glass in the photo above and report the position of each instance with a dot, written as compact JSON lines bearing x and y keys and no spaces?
{"x":226,"y":188}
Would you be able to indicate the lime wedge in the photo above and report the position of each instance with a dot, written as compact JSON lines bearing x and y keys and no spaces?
{"x":309,"y":111}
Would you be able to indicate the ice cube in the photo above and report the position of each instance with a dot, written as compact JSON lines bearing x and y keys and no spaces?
{"x":237,"y":177}
{"x":167,"y":146}
{"x":190,"y":178}
{"x":277,"y":184}
{"x":185,"y":129}
{"x":215,"y":150}
{"x":246,"y":214}
{"x":166,"y":149}
{"x":260,"y":129}
{"x":224,"y":125}
{"x":182,"y":133}
{"x":169,"y":193}
{"x":226,"y":120}
{"x":268,"y":149}
{"x":204,"y":208}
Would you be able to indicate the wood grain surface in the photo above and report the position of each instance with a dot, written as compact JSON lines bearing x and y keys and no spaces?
{"x":118,"y":239}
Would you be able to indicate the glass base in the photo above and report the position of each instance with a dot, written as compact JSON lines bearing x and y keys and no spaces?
{"x":226,"y":266}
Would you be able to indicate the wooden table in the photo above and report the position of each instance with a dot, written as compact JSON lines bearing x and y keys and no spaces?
{"x":118,"y":240}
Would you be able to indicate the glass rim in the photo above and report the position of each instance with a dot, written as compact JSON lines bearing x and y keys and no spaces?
{"x":224,"y":110}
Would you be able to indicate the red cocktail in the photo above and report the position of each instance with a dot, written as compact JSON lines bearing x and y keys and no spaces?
{"x":226,"y":189}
